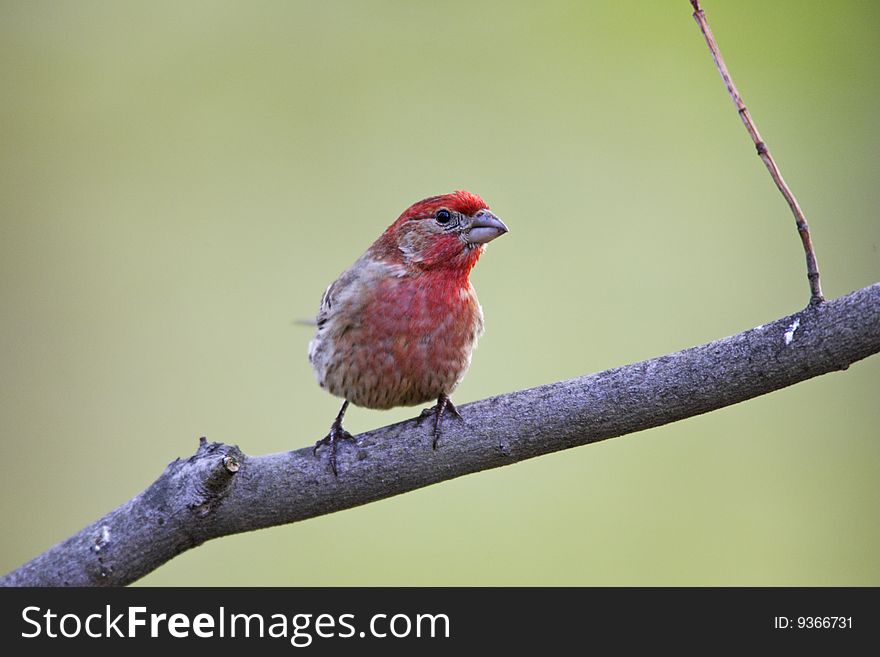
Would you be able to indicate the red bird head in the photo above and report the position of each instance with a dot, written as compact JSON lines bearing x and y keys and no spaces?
{"x":446,"y":232}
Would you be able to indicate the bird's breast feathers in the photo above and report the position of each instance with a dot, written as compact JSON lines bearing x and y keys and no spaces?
{"x":391,"y":337}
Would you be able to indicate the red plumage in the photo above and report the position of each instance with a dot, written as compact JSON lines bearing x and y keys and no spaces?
{"x":397,"y":328}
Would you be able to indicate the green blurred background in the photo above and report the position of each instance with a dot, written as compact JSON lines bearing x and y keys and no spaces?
{"x":180,"y":181}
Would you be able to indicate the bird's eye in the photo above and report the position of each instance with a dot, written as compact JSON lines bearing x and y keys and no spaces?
{"x":443,"y":216}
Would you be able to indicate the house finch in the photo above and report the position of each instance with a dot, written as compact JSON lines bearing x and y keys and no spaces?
{"x":397,"y":328}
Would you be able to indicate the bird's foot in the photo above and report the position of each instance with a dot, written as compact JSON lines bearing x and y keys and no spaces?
{"x":332,"y":440}
{"x":443,"y":405}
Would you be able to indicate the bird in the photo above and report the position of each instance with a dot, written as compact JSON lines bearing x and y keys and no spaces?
{"x":399,"y":326}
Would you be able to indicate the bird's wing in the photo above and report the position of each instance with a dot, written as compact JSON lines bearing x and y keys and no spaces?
{"x":354,"y":287}
{"x":326,"y":305}
{"x":335,"y":293}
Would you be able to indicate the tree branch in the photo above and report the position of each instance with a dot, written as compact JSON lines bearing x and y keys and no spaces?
{"x":764,"y":154}
{"x":220,"y":491}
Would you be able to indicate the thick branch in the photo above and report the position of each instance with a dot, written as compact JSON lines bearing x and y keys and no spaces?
{"x":220,"y":491}
{"x":764,"y":154}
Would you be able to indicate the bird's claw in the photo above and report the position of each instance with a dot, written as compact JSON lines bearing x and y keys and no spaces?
{"x":331,"y":440}
{"x":428,"y":412}
{"x":443,"y":405}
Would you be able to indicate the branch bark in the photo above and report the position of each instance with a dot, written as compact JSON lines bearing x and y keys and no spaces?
{"x":220,"y":491}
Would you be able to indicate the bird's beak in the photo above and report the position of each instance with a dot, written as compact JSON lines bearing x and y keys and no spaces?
{"x":485,"y":227}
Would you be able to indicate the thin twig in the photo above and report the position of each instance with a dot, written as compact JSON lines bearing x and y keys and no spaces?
{"x":221,"y":491}
{"x":763,"y":152}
